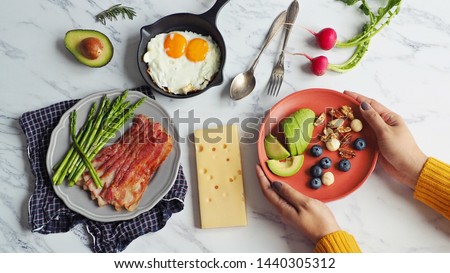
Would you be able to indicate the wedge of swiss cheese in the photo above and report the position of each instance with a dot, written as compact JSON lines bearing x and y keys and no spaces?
{"x":220,"y":179}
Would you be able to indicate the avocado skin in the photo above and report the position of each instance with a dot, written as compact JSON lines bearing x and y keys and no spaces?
{"x":72,"y":42}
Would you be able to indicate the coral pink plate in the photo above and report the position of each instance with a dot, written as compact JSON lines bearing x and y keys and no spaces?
{"x":319,"y":100}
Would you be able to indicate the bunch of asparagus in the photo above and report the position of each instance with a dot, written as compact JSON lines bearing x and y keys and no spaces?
{"x":101,"y":125}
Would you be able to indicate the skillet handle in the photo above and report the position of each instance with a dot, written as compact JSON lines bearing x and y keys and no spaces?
{"x":211,"y":14}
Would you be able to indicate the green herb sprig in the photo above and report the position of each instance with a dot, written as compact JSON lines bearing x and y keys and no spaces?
{"x":114,"y":12}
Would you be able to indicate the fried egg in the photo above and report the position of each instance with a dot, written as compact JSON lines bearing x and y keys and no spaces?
{"x":182,"y":61}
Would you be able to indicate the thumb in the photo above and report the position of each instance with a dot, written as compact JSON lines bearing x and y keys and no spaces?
{"x":372,"y":117}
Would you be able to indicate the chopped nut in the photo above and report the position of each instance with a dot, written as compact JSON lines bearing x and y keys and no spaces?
{"x":320,"y":119}
{"x":328,"y":134}
{"x":325,"y":138}
{"x":347,"y":111}
{"x":336,"y":123}
{"x":346,"y":153}
{"x":327,"y":131}
{"x":336,"y":113}
{"x":346,"y":139}
{"x":342,"y":129}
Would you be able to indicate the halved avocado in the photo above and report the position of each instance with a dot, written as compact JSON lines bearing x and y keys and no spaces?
{"x":274,"y":149}
{"x":287,"y":167}
{"x":90,"y":47}
{"x":305,"y":120}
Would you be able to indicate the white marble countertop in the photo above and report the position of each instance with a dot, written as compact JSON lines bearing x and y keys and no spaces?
{"x":407,"y":68}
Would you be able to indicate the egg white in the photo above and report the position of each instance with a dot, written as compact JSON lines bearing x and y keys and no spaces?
{"x":180,"y":75}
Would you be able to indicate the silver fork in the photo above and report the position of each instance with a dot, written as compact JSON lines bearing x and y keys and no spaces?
{"x":276,"y":78}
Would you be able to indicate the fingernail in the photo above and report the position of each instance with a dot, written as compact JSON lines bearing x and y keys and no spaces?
{"x":276,"y":186}
{"x":365,"y":106}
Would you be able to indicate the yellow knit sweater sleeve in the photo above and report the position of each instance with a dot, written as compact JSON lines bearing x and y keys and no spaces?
{"x":337,"y":242}
{"x":433,"y":186}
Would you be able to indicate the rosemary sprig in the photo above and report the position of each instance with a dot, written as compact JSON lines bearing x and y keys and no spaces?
{"x":114,"y":11}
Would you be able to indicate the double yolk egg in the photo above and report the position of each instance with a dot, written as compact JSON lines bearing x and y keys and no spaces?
{"x":176,"y":46}
{"x":182,"y":62}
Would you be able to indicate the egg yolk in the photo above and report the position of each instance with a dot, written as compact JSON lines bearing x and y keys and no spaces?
{"x":175,"y":45}
{"x":196,"y":50}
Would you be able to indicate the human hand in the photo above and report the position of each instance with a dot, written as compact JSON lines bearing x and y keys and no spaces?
{"x":399,"y":154}
{"x":310,"y":216}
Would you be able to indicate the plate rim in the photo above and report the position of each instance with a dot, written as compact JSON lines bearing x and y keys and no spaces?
{"x":138,"y":211}
{"x":262,"y":129}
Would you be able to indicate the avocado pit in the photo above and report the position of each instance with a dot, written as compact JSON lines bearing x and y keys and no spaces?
{"x":91,"y":48}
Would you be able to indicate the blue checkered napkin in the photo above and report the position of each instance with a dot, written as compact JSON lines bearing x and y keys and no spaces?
{"x":48,"y":214}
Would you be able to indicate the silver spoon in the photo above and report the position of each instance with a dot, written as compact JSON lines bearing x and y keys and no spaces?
{"x":244,"y":83}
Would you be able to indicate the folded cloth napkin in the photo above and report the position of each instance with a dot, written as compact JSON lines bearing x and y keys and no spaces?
{"x":47,"y":213}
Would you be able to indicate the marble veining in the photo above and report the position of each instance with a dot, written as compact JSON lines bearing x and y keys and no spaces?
{"x":406,"y":68}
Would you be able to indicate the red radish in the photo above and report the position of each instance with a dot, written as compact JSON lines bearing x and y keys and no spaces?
{"x":319,"y":65}
{"x":326,"y":38}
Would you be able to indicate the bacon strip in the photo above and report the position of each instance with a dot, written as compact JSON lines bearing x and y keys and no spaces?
{"x":127,"y":166}
{"x":110,"y":157}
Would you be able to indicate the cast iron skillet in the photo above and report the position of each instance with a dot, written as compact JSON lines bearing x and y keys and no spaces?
{"x":204,"y":24}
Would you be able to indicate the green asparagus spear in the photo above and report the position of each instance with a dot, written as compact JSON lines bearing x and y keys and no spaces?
{"x":87,"y":162}
{"x":61,"y":167}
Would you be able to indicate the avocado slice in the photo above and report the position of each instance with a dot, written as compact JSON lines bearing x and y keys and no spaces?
{"x":89,"y":47}
{"x":287,"y":167}
{"x":304,"y":118}
{"x":291,"y":133}
{"x":274,"y":149}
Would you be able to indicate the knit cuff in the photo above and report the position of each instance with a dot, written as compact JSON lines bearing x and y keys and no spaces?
{"x":433,"y":186}
{"x":337,"y":242}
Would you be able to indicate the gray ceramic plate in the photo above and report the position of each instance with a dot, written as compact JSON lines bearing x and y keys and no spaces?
{"x":162,"y":181}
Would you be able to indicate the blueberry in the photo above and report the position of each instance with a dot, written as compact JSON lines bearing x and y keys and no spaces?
{"x":359,"y":144}
{"x":325,"y":162}
{"x":316,"y":150}
{"x":315,"y":171}
{"x":315,"y":183}
{"x":345,"y":165}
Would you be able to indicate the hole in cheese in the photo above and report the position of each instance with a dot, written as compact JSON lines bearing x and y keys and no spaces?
{"x":200,"y":148}
{"x":213,"y":149}
{"x":216,"y":187}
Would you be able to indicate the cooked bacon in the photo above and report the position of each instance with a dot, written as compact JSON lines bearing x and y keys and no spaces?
{"x":127,"y":166}
{"x":110,"y":157}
